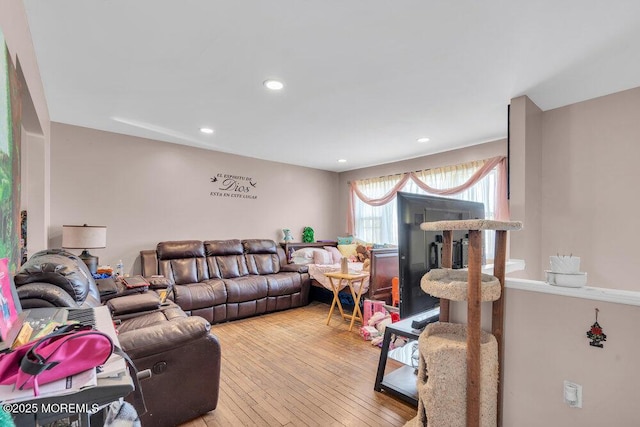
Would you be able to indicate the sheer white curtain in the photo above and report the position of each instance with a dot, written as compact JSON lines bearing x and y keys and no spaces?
{"x":484,"y":191}
{"x":378,"y":224}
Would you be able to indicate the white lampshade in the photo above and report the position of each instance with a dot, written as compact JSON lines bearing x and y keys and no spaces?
{"x":84,"y":236}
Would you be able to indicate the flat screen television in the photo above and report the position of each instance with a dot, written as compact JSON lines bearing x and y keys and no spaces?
{"x":419,"y":251}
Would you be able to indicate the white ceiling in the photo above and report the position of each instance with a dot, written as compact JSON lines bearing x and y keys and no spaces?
{"x":363,"y":78}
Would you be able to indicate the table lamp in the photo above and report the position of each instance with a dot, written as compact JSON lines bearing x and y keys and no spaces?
{"x":85,"y":237}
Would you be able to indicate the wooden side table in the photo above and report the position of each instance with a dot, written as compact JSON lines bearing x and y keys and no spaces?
{"x":351,"y":279}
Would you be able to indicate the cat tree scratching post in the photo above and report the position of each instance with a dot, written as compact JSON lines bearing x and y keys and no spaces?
{"x":474,"y":287}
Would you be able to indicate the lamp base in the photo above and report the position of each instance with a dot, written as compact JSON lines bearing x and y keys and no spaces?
{"x":90,"y":260}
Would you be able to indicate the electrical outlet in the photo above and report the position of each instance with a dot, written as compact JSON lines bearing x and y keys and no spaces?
{"x":572,"y":394}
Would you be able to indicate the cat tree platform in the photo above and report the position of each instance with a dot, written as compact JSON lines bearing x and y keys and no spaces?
{"x":452,"y":285}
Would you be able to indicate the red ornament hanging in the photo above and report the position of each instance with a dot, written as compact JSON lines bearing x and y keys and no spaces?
{"x":595,"y":334}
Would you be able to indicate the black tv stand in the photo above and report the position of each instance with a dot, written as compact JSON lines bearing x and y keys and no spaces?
{"x":402,"y":381}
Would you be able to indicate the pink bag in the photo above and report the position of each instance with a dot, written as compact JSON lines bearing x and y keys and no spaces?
{"x":67,"y":351}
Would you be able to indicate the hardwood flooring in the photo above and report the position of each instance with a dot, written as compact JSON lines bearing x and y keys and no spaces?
{"x":291,"y":369}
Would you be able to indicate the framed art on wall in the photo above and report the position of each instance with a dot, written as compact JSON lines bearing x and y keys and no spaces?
{"x":9,"y":159}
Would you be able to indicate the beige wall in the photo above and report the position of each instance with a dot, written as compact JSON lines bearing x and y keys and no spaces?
{"x":546,"y":343}
{"x":590,"y":179}
{"x":14,"y":24}
{"x":148,"y":191}
{"x":36,"y":124}
{"x":525,"y":191}
{"x":572,"y":183}
{"x":586,"y":157}
{"x":475,"y":152}
{"x":587,"y":149}
{"x":35,"y":190}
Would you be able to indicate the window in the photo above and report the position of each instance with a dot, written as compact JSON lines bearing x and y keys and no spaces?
{"x":378,"y":224}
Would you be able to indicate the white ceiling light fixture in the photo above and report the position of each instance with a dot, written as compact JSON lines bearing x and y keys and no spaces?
{"x":423,"y":139}
{"x":342,"y":160}
{"x":273,"y":84}
{"x":208,"y":131}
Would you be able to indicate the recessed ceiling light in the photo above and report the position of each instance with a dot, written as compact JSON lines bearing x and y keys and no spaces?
{"x":273,"y":84}
{"x":342,"y":161}
{"x":423,"y":139}
{"x":206,"y":130}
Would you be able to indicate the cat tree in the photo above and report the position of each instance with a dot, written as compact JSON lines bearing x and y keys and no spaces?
{"x":463,"y":385}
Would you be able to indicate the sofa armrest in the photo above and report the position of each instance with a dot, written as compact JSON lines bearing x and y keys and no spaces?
{"x":159,"y":282}
{"x":295,"y":268}
{"x":133,"y":304}
{"x":38,"y":294}
{"x":164,"y":336}
{"x":107,"y":287}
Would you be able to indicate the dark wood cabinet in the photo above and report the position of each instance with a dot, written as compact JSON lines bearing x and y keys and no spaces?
{"x":384,"y":267}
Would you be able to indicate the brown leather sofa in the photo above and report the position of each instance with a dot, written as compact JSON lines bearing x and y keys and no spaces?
{"x":224,"y":280}
{"x":179,"y":350}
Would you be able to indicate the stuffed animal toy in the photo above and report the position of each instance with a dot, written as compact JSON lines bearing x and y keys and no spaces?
{"x":380,"y":320}
{"x":307,"y":235}
{"x":362,"y":255}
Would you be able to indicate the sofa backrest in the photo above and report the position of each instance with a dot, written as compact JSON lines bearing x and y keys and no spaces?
{"x":63,"y":269}
{"x":261,"y":256}
{"x":225,"y":259}
{"x":183,"y":261}
{"x":191,"y":261}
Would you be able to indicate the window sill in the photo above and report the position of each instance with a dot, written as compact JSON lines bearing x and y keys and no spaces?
{"x":617,"y":296}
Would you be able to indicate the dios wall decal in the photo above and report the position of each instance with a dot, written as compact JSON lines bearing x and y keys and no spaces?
{"x":234,"y":186}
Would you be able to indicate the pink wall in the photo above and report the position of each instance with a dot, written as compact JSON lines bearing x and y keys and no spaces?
{"x":147,"y":191}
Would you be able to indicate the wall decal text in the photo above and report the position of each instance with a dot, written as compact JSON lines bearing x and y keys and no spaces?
{"x":235,"y":186}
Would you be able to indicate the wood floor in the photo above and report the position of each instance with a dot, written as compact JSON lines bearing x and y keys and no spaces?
{"x":291,"y":369}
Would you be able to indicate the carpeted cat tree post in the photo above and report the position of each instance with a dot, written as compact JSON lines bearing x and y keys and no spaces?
{"x":459,"y":376}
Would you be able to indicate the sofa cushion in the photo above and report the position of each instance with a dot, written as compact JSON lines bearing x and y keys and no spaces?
{"x":182,"y":261}
{"x":231,"y":266}
{"x":199,"y":295}
{"x":180,"y":249}
{"x":283,"y":284}
{"x":185,"y":270}
{"x":261,"y":256}
{"x":223,"y":247}
{"x":262,"y":263}
{"x":246,"y":288}
{"x":259,"y":246}
{"x":225,"y":259}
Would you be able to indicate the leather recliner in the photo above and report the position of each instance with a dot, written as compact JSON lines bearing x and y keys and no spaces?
{"x":182,"y":354}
